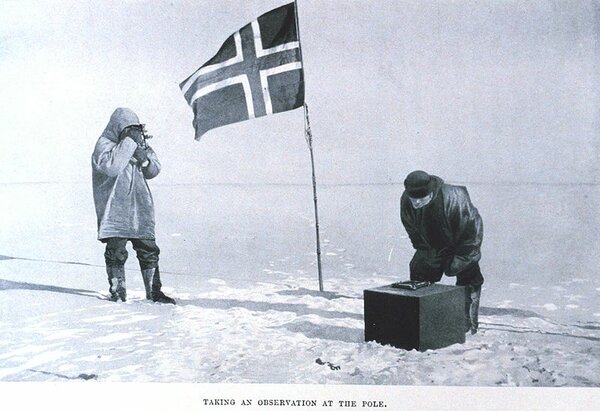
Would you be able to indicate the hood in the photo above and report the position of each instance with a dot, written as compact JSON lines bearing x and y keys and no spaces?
{"x":120,"y":118}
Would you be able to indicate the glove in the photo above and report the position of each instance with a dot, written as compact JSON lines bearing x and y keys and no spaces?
{"x":134,"y":132}
{"x":140,"y":155}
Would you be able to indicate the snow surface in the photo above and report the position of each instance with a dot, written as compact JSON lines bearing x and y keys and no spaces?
{"x":249,"y":309}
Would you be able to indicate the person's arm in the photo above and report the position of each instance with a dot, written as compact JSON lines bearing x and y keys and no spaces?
{"x":467,"y":230}
{"x":111,"y":158}
{"x":152,"y":169}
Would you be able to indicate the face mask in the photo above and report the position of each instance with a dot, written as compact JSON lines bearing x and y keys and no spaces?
{"x":421,"y":202}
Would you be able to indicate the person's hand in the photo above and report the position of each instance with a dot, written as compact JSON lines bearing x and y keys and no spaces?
{"x":141,"y":155}
{"x":134,"y":132}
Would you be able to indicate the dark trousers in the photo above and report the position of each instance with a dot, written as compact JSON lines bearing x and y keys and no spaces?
{"x":472,"y":297}
{"x":116,"y":252}
{"x":429,"y":265}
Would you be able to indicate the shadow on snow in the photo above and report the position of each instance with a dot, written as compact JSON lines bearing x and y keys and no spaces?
{"x":14,"y":285}
{"x":309,"y":329}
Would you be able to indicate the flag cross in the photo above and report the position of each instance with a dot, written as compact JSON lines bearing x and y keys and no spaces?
{"x":251,"y":67}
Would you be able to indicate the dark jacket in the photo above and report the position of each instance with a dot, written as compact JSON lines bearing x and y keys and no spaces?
{"x":124,"y":205}
{"x":449,"y":226}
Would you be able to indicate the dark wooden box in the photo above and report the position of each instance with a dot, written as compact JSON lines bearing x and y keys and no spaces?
{"x":427,"y":318}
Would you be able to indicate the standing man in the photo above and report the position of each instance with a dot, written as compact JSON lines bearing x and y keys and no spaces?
{"x":121,"y":163}
{"x":446,"y":231}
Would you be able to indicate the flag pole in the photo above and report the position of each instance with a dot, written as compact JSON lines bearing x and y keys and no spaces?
{"x":308,"y":137}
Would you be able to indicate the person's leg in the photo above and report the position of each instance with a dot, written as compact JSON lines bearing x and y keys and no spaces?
{"x":471,"y":279}
{"x":467,"y":308}
{"x":426,"y":265}
{"x":474,"y":308}
{"x":148,"y":255}
{"x":115,"y":256}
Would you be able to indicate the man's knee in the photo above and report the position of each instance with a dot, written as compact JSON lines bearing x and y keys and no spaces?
{"x":115,"y":253}
{"x":147,"y":253}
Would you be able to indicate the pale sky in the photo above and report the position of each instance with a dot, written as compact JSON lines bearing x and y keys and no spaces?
{"x":492,"y":91}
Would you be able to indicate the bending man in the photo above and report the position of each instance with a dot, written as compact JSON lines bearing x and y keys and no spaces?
{"x":446,"y":231}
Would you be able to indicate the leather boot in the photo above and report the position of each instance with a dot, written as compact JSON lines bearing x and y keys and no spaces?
{"x":147,"y":277}
{"x":116,"y":279}
{"x":153,"y":286}
{"x":113,"y":293}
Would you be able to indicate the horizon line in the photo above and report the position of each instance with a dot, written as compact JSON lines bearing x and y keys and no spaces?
{"x":344,"y":184}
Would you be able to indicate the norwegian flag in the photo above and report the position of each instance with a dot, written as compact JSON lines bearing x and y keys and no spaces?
{"x":257,"y":71}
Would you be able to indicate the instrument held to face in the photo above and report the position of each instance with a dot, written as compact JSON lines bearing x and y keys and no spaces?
{"x":138,"y":133}
{"x":145,"y":136}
